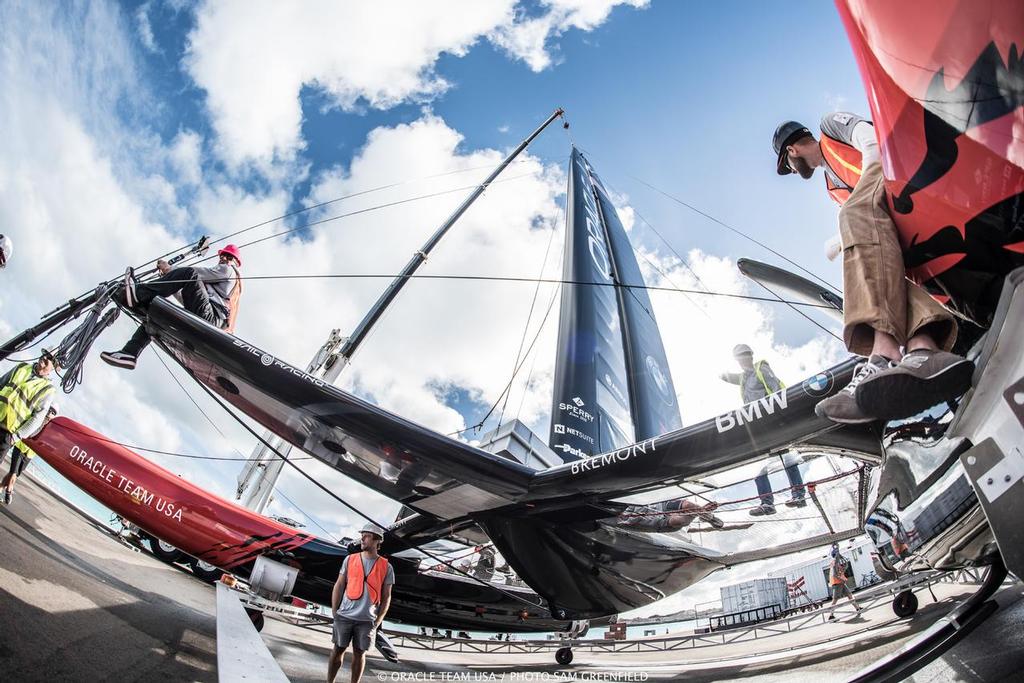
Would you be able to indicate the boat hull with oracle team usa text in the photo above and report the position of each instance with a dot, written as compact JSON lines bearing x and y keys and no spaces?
{"x":231,"y":537}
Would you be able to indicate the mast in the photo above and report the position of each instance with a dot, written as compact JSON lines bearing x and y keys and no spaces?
{"x":262,"y":470}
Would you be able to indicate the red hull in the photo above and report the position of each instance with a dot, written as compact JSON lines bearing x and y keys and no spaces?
{"x":170,"y":508}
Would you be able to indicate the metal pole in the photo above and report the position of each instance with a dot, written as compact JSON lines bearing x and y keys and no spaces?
{"x":420,"y":256}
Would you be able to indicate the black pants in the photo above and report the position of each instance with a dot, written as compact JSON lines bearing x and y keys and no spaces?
{"x":193,"y":295}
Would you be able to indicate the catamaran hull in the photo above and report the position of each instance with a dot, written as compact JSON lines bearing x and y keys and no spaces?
{"x":231,"y":537}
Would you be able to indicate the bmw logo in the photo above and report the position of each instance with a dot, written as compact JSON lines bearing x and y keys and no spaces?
{"x":819,"y":385}
{"x":267,"y":359}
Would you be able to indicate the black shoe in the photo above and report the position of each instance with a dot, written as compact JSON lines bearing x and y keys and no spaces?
{"x":762,"y":510}
{"x":796,"y":503}
{"x":119,"y":359}
{"x":921,"y":380}
{"x":8,"y":495}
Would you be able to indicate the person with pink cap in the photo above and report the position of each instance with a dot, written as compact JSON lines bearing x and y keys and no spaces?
{"x":210,"y":293}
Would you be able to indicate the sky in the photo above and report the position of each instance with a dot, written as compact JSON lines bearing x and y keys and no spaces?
{"x":132,"y":128}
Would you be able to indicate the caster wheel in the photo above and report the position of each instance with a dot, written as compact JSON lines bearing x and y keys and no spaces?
{"x":564,"y":656}
{"x":905,"y":604}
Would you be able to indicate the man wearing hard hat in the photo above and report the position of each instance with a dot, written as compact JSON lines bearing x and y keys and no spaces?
{"x":6,"y":250}
{"x":903,"y":333}
{"x":757,"y":381}
{"x":360,"y":601}
{"x":210,"y":293}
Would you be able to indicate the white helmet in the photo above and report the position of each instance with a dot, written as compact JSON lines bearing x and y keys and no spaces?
{"x":741,"y":350}
{"x":371,"y":528}
{"x":6,"y":250}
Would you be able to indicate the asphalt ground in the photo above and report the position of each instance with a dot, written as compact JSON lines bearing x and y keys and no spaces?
{"x":77,"y":604}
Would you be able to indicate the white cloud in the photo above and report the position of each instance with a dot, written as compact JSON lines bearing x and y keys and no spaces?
{"x":145,"y":28}
{"x":529,"y":38}
{"x":254,"y":58}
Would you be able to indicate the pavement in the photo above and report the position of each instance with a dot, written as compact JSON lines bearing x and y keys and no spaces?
{"x":77,"y":604}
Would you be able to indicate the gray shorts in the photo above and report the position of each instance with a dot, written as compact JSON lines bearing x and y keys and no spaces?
{"x":841,"y":589}
{"x":356,"y":632}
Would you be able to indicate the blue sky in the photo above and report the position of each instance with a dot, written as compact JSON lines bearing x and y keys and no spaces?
{"x":133,"y":127}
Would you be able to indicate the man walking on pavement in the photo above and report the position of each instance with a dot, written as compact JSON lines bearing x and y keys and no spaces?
{"x":757,"y":380}
{"x":26,"y":394}
{"x":904,"y":333}
{"x":210,"y":293}
{"x":838,"y":572}
{"x":21,"y":458}
{"x":360,"y":601}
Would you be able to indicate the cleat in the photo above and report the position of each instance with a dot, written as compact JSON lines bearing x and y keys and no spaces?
{"x":119,"y":359}
{"x":762,"y":510}
{"x":921,"y":380}
{"x":843,"y":407}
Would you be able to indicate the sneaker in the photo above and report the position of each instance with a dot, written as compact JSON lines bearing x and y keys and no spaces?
{"x":921,"y":380}
{"x":119,"y":359}
{"x":714,"y":520}
{"x":831,"y":617}
{"x":843,"y":406}
{"x":762,"y":510}
{"x":796,"y":502}
{"x":8,"y":495}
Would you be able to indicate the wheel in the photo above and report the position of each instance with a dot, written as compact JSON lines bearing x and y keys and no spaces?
{"x":164,"y":551}
{"x":905,"y":604}
{"x":256,"y":617}
{"x":564,"y":656}
{"x":204,"y":570}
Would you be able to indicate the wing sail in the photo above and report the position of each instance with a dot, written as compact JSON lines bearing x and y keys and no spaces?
{"x":612,"y":383}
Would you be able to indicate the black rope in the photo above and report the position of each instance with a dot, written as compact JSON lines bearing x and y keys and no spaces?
{"x":72,"y":351}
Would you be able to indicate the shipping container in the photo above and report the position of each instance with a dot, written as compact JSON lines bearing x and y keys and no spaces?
{"x":751,"y":595}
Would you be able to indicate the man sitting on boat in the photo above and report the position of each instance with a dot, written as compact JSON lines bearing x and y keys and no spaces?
{"x":905,"y":334}
{"x":210,"y":293}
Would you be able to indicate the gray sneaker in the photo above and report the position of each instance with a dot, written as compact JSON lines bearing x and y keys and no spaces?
{"x":762,"y":510}
{"x":843,"y":407}
{"x":921,"y":380}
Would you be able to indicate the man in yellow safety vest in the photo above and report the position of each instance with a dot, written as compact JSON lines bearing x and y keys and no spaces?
{"x":26,"y":394}
{"x":756,"y":379}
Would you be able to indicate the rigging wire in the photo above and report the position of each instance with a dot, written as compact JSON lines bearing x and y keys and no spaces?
{"x":500,"y":278}
{"x":526,"y":328}
{"x":376,"y":207}
{"x":207,"y":417}
{"x":737,"y":231}
{"x":356,"y":510}
{"x":809,"y":318}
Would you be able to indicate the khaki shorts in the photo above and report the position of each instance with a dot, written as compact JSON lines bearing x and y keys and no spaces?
{"x":877,"y":293}
{"x":356,"y":632}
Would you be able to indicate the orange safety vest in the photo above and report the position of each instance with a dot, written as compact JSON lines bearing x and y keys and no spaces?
{"x":356,"y":579}
{"x":233,"y":300}
{"x":845,"y":163}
